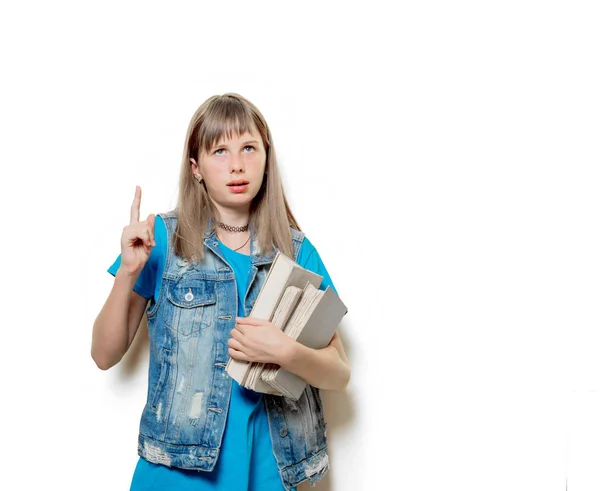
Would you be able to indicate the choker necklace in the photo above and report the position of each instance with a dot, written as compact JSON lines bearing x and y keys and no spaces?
{"x":232,"y":228}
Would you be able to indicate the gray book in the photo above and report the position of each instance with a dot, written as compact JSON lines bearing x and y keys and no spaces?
{"x":313,"y":324}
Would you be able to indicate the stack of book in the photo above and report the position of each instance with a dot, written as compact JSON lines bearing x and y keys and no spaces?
{"x":290,"y":298}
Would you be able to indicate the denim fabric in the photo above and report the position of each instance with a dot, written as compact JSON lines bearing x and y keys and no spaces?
{"x":183,"y":421}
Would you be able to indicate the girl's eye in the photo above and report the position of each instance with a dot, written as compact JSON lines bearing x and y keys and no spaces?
{"x":249,"y":146}
{"x":219,"y":150}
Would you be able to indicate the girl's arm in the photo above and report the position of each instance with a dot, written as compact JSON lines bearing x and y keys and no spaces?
{"x":326,"y":368}
{"x":117,"y":322}
{"x":119,"y":319}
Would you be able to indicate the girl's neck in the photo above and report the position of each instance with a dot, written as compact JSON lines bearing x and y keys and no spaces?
{"x":233,"y":217}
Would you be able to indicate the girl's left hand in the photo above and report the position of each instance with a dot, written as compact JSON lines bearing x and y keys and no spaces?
{"x":258,"y":340}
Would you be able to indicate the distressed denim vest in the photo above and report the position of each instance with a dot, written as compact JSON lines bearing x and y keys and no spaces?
{"x":184,"y":418}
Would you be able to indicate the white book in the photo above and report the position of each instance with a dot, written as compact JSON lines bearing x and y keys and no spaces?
{"x":284,"y":272}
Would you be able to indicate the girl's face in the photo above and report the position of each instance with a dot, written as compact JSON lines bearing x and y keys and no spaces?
{"x":233,"y":170}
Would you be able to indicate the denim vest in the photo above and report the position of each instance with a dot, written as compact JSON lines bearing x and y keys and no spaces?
{"x":184,"y":418}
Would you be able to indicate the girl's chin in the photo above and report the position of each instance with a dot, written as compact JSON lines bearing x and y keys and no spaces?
{"x":235,"y":201}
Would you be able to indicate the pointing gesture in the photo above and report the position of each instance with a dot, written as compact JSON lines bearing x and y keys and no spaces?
{"x":137,"y":239}
{"x":135,"y":206}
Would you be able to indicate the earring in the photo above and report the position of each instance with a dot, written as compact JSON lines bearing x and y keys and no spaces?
{"x":199,"y":179}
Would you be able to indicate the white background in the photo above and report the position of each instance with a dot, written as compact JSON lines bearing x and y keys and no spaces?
{"x":442,"y":156}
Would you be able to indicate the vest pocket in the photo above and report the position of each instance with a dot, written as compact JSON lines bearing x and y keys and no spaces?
{"x":192,"y":304}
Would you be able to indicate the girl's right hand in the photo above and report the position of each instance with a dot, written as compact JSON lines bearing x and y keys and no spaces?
{"x":137,"y":239}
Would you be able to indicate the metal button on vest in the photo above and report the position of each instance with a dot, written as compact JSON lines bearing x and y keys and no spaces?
{"x":283,"y":432}
{"x":189,"y":296}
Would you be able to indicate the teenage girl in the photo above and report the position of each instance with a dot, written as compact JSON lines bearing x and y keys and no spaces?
{"x":196,"y":272}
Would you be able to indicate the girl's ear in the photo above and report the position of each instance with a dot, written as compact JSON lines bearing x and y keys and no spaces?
{"x":197,"y":175}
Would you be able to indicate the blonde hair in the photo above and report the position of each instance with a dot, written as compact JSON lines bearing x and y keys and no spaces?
{"x":270,"y":215}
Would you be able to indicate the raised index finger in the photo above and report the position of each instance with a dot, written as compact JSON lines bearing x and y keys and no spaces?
{"x":135,"y":206}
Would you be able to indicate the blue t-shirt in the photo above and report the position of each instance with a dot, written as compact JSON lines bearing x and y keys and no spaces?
{"x":246,"y":461}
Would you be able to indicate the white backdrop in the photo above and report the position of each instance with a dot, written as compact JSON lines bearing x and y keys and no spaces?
{"x":443,"y":158}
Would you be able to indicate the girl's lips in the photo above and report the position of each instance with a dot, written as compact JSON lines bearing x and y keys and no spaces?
{"x":240,"y":188}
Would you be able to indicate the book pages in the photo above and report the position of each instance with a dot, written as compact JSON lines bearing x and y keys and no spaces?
{"x":317,"y":319}
{"x":282,"y":313}
{"x":310,"y":299}
{"x":307,"y":303}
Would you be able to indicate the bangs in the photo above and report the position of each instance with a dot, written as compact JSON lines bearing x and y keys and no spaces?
{"x":227,"y":117}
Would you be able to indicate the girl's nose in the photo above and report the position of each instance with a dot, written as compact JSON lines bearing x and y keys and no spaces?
{"x":236,"y":164}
